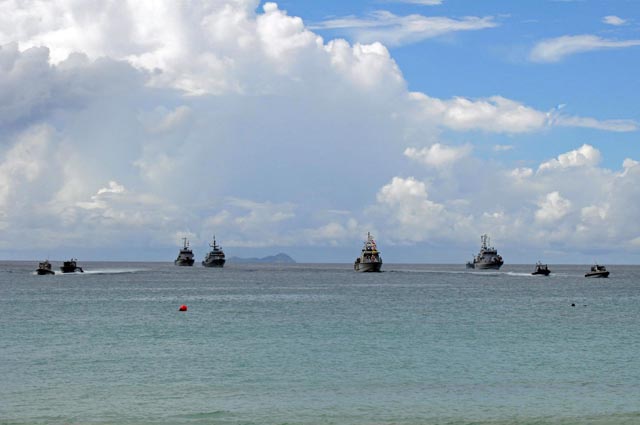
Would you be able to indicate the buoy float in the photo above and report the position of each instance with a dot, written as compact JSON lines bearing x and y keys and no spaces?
{"x":183,"y":308}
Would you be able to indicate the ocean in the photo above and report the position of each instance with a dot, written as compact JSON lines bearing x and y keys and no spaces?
{"x":318,"y":344}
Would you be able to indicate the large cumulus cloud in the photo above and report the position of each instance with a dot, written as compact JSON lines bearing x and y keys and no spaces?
{"x":569,"y":204}
{"x":134,"y":123}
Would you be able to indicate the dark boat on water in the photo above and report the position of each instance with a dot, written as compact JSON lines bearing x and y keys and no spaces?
{"x":541,"y":269}
{"x":44,"y":268}
{"x":597,"y":271}
{"x":487,"y":258}
{"x":369,"y":259}
{"x":185,"y":257}
{"x":71,"y":266}
{"x":215,"y":257}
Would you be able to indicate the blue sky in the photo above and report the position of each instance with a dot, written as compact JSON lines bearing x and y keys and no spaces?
{"x":299,"y":126}
{"x":494,"y":61}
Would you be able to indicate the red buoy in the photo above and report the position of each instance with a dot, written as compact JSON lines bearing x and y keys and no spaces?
{"x":183,"y":308}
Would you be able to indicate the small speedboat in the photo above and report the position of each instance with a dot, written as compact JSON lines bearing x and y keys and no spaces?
{"x":597,"y":271}
{"x":541,"y":269}
{"x":44,"y":268}
{"x":71,"y":266}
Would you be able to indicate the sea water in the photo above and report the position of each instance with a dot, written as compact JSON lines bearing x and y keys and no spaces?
{"x":318,"y":344}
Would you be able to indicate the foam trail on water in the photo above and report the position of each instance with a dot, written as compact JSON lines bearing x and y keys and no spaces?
{"x":113,"y":271}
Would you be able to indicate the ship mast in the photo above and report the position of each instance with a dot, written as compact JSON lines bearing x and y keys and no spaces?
{"x":485,"y":241}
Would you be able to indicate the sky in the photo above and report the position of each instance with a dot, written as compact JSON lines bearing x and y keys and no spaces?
{"x":299,"y":126}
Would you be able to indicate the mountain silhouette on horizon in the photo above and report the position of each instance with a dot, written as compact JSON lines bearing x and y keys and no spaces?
{"x":280,"y":258}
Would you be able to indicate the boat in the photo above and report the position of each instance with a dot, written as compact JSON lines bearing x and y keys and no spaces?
{"x":215,"y":257}
{"x":370,"y":259}
{"x":71,"y":266}
{"x":44,"y":268}
{"x":488,"y":257}
{"x":542,"y":269}
{"x":597,"y":271}
{"x":470,"y":264}
{"x":185,"y":256}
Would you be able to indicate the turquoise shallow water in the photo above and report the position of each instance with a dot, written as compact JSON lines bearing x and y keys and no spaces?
{"x":318,"y":344}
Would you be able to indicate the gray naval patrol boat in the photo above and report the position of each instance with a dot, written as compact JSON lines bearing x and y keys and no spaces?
{"x":44,"y":268}
{"x":215,"y":257}
{"x":597,"y":271}
{"x":487,"y":258}
{"x":370,"y":259}
{"x":71,"y":266}
{"x":185,"y":257}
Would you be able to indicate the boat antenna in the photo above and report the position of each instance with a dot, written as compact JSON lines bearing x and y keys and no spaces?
{"x":485,"y":241}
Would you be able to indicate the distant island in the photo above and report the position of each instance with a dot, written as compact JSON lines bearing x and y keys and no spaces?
{"x":278,"y":258}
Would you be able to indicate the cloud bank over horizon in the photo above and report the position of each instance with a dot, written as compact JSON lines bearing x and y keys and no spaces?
{"x":170,"y":119}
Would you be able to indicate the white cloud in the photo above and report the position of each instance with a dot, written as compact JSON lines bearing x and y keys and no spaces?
{"x":25,"y":82}
{"x":24,"y":164}
{"x":99,"y":200}
{"x":521,"y":173}
{"x":201,"y":58}
{"x":570,"y":206}
{"x":113,"y":187}
{"x":281,"y":34}
{"x":438,"y":155}
{"x":334,"y":232}
{"x":365,"y":65}
{"x":503,"y":148}
{"x":585,"y":122}
{"x":552,"y":208}
{"x":252,"y":224}
{"x":495,"y":114}
{"x":218,"y":118}
{"x":594,"y":214}
{"x":412,"y":214}
{"x":613,"y":20}
{"x":586,"y":155}
{"x":171,"y":119}
{"x":556,"y":49}
{"x":261,"y":213}
{"x":393,"y":30}
{"x":629,"y":165}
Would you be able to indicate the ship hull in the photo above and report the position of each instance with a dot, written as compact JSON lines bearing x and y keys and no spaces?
{"x":493,"y":266}
{"x":367,"y":267}
{"x":44,"y":272}
{"x":597,"y":274}
{"x":214,"y":263}
{"x":71,"y":270}
{"x":543,"y":273}
{"x":184,"y":263}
